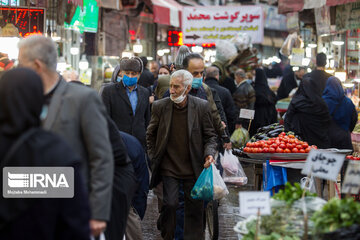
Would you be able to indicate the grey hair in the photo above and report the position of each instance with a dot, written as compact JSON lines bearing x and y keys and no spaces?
{"x":212,"y":72}
{"x":41,"y":48}
{"x":240,"y":73}
{"x":185,"y":76}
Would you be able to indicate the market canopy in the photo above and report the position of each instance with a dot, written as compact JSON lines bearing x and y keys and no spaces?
{"x":287,"y":6}
{"x":167,"y":12}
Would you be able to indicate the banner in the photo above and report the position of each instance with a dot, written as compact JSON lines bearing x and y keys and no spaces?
{"x":273,"y":20}
{"x":322,"y":19}
{"x":347,"y":16}
{"x":338,"y":2}
{"x":209,"y":24}
{"x":292,"y":21}
{"x":287,"y":6}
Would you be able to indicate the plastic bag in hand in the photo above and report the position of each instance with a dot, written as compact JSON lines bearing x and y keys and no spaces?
{"x":220,"y":189}
{"x":203,"y":188}
{"x":233,"y":171}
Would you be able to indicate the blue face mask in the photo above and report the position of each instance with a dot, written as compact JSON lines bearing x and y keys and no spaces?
{"x":197,"y":82}
{"x":118,"y":79}
{"x":128,"y":81}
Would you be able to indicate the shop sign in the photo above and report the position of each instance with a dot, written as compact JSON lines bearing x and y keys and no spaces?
{"x":273,"y":20}
{"x":288,"y":6}
{"x":323,"y":164}
{"x":209,"y":24}
{"x":347,"y":16}
{"x":352,"y":178}
{"x":253,"y":203}
{"x":85,"y":19}
{"x":29,"y":21}
{"x":322,"y":19}
{"x":292,"y":21}
{"x":297,"y":56}
{"x":338,"y":2}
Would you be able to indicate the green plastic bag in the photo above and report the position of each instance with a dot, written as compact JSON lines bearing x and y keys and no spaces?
{"x":240,"y":137}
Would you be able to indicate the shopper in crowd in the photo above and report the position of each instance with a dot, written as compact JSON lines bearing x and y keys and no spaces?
{"x":154,"y":69}
{"x":308,"y":114}
{"x":226,"y":80}
{"x":24,"y":143}
{"x":343,"y":114}
{"x":290,"y":82}
{"x":127,"y":102}
{"x":265,"y":111}
{"x":77,"y":114}
{"x":164,"y":70}
{"x":212,"y":77}
{"x":146,"y":79}
{"x":139,"y":201}
{"x":177,"y":155}
{"x":244,"y":96}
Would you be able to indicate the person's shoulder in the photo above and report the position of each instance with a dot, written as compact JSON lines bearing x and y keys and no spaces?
{"x":198,"y":101}
{"x":53,"y":145}
{"x":162,"y":102}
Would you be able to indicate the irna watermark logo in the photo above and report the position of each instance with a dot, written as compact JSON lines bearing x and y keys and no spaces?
{"x":38,"y":182}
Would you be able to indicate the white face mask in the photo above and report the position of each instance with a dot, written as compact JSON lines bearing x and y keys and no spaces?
{"x":180,"y":98}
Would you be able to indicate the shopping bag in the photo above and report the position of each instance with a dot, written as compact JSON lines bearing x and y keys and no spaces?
{"x":203,"y":188}
{"x":220,"y":190}
{"x":239,"y":137}
{"x":233,"y":171}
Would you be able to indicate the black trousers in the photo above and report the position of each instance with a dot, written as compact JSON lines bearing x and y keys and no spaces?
{"x":193,"y":221}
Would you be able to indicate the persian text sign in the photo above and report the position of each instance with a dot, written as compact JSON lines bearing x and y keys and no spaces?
{"x":209,"y":24}
{"x":252,"y":202}
{"x":323,"y":164}
{"x":352,"y":178}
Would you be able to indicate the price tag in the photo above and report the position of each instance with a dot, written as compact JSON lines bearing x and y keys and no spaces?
{"x":323,"y":164}
{"x":352,"y":178}
{"x":247,"y":113}
{"x":251,"y":202}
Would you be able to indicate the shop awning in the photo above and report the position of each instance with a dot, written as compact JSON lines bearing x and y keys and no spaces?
{"x":167,"y":12}
{"x":286,"y":6}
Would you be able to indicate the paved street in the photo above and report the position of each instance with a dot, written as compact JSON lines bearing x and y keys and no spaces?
{"x":228,"y":213}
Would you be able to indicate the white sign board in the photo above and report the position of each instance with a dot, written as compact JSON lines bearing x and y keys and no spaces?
{"x":247,"y":113}
{"x":352,"y":178}
{"x":212,"y":23}
{"x":251,"y":202}
{"x":323,"y":164}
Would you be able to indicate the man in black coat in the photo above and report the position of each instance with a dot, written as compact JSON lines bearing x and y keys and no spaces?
{"x":127,"y":102}
{"x":290,"y":81}
{"x":212,"y":80}
{"x":146,"y":78}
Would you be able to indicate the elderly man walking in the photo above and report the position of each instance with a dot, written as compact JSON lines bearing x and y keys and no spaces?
{"x":77,"y":115}
{"x":180,"y":139}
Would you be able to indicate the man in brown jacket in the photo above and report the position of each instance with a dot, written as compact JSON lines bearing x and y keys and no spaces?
{"x":180,"y":139}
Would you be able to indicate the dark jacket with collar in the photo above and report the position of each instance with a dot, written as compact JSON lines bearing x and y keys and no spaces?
{"x":119,"y":108}
{"x":202,"y":136}
{"x":146,"y":78}
{"x":226,"y":101}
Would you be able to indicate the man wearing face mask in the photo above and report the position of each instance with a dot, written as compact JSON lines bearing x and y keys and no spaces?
{"x":180,"y":139}
{"x":127,"y":102}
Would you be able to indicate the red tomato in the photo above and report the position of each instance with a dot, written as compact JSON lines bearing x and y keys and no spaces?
{"x":301,"y":150}
{"x":289,"y":145}
{"x":246,"y":149}
{"x":295,"y":150}
{"x":274,"y":145}
{"x":291,"y":136}
{"x":314,"y":147}
{"x":299,"y":146}
{"x":291,"y":140}
{"x":271,"y":150}
{"x":266,"y":150}
{"x":305,"y":145}
{"x":260,"y":150}
{"x":307,"y":149}
{"x":282,"y":145}
{"x":279,"y":150}
{"x":248,"y":144}
{"x":287,"y":150}
{"x":283,"y":133}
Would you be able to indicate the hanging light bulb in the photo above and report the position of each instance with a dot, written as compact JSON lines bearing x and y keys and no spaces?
{"x":337,"y":40}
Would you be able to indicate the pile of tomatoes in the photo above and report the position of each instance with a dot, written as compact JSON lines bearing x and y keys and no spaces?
{"x":281,"y":144}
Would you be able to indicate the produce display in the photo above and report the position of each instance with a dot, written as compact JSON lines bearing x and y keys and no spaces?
{"x":336,"y":214}
{"x":352,"y":157}
{"x":283,"y":143}
{"x":286,"y":220}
